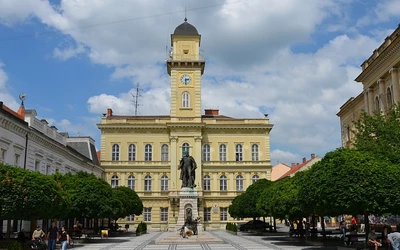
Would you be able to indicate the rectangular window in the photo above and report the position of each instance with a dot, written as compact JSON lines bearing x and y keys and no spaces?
{"x":164,"y":214}
{"x":147,"y":214}
{"x":222,"y":152}
{"x":3,"y":155}
{"x":207,"y":183}
{"x":48,"y":169}
{"x":239,"y":184}
{"x":223,"y":214}
{"x":207,"y":214}
{"x":130,"y":218}
{"x":16,"y":160}
{"x":223,"y":184}
{"x":37,"y":166}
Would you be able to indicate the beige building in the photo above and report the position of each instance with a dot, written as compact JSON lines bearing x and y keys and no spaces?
{"x":143,"y":152}
{"x":279,"y":170}
{"x":381,"y":89}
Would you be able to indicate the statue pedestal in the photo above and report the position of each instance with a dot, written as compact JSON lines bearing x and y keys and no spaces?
{"x":187,"y":199}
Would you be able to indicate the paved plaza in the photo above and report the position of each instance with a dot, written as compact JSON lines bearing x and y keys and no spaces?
{"x":231,"y":242}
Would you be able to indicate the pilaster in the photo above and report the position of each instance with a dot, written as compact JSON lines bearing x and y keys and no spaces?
{"x":174,"y":162}
{"x":370,"y":101}
{"x":395,"y":84}
{"x":198,"y":158}
{"x":381,"y":97}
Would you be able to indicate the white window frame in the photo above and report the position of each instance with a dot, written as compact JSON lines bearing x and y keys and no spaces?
{"x":163,"y":214}
{"x":115,"y":152}
{"x":222,"y":152}
{"x":17,"y":158}
{"x":185,"y":147}
{"x":254,"y":152}
{"x":147,"y":214}
{"x":239,"y":183}
{"x":206,"y":183}
{"x":164,"y":152}
{"x":239,"y":152}
{"x":223,"y":183}
{"x":132,"y":152}
{"x":223,"y":213}
{"x":206,"y":152}
{"x":114,"y":181}
{"x":207,"y":214}
{"x":147,"y":183}
{"x":255,"y":178}
{"x":185,"y":100}
{"x":148,"y":152}
{"x":130,"y":217}
{"x":131,"y":182}
{"x":164,"y":183}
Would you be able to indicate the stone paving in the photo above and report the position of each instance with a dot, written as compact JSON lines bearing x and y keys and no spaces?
{"x":242,"y":241}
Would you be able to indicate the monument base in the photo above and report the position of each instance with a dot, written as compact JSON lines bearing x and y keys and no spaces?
{"x":173,"y":238}
{"x":187,"y":199}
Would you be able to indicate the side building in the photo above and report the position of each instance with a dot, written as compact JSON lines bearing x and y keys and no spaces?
{"x":381,"y":89}
{"x":30,"y":143}
{"x":143,"y":152}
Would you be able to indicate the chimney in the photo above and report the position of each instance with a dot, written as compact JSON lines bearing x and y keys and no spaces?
{"x":312,"y":156}
{"x":21,"y":110}
{"x":211,"y":112}
{"x":109,"y":112}
{"x":304,"y":159}
{"x":293,"y":165}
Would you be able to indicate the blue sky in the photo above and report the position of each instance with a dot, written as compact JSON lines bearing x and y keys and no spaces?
{"x":295,"y":61}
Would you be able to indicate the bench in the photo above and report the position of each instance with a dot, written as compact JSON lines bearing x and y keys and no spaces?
{"x":91,"y":234}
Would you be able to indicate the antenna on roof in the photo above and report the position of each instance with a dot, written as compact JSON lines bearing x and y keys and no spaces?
{"x":136,"y":97}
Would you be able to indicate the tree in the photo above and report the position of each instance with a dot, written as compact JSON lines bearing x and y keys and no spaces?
{"x":379,"y":135}
{"x":281,"y":200}
{"x":91,"y":197}
{"x":246,"y":205}
{"x":130,"y":202}
{"x":29,"y":195}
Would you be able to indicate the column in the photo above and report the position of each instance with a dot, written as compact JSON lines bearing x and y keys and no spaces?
{"x":366,"y":107}
{"x":382,"y":99}
{"x":197,"y":157}
{"x":395,"y":83}
{"x":174,"y":163}
{"x":370,"y":101}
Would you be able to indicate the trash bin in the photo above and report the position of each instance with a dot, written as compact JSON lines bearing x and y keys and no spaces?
{"x":104,"y":233}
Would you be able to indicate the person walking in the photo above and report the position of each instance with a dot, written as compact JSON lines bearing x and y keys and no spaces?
{"x":343,"y":230}
{"x":394,"y":239}
{"x":52,"y":236}
{"x":64,"y":238}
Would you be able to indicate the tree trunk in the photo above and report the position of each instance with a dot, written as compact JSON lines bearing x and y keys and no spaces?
{"x":323,"y":227}
{"x":366,"y":222}
{"x":8,"y":229}
{"x":274,"y":225}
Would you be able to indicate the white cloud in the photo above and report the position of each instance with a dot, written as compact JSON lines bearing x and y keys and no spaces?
{"x":285,"y":157}
{"x":67,"y":53}
{"x":5,"y":95}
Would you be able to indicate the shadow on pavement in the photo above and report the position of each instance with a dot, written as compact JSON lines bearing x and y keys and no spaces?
{"x":101,"y":241}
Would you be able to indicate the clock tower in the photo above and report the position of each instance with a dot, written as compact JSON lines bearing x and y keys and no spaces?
{"x":185,"y":65}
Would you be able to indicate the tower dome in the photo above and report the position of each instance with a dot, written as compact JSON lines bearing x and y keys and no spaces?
{"x":186,"y":29}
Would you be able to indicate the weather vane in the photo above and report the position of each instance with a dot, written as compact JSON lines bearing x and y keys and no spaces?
{"x":22,"y":98}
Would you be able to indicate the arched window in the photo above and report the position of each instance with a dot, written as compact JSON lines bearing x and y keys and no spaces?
{"x":254,"y":179}
{"x":131,"y":182}
{"x":164,"y":183}
{"x":115,"y":152}
{"x":132,"y":152}
{"x":147,"y":183}
{"x":164,"y":152}
{"x":239,"y":152}
{"x":389,"y":98}
{"x":239,"y":183}
{"x":148,"y":152}
{"x":207,"y":183}
{"x":206,"y":152}
{"x":185,"y":148}
{"x":114,"y":181}
{"x":377,"y":104}
{"x":254,"y":152}
{"x":185,"y":100}
{"x":222,"y":152}
{"x":223,"y":183}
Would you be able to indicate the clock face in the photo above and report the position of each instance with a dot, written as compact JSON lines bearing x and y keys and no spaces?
{"x":186,"y":79}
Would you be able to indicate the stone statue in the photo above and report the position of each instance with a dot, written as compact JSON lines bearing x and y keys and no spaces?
{"x":190,"y":224}
{"x":188,"y":167}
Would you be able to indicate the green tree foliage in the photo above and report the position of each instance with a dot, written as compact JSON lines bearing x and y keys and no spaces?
{"x":91,"y":197}
{"x":348,"y":181}
{"x":380,"y":135}
{"x":29,"y":195}
{"x":245,"y":205}
{"x":281,"y":199}
{"x":130,"y":202}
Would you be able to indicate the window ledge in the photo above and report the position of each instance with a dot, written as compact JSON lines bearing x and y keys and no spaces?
{"x":185,"y":108}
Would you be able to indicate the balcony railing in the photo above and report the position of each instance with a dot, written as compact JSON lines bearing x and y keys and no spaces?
{"x":185,"y":57}
{"x":234,"y":163}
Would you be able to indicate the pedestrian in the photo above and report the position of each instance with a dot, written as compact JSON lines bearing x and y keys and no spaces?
{"x":64,"y":238}
{"x":343,"y":230}
{"x":52,"y":236}
{"x":394,"y":239}
{"x":372,"y":240}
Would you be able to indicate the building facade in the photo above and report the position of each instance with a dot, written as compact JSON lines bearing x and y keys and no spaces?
{"x":144,"y":152}
{"x":30,"y":143}
{"x":381,"y":89}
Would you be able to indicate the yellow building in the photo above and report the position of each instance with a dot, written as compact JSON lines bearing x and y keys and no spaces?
{"x":143,"y":152}
{"x":381,"y":89}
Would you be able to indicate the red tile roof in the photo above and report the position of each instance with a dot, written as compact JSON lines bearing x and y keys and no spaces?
{"x":296,"y":168}
{"x":7,"y":109}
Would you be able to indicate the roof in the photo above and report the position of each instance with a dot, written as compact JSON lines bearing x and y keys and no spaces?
{"x":296,"y":168}
{"x":186,"y":29}
{"x":10,"y":111}
{"x":150,"y":117}
{"x":89,"y":151}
